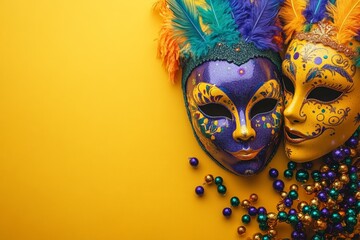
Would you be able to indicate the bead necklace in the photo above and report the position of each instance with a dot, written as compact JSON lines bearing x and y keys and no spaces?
{"x":334,"y":189}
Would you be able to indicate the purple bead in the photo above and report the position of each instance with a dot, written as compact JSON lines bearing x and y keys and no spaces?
{"x":351,"y":201}
{"x":295,"y":235}
{"x":346,"y":151}
{"x":307,"y":165}
{"x":338,"y":155}
{"x":325,"y":213}
{"x":278,"y":185}
{"x":353,"y":169}
{"x":227,"y":212}
{"x":331,"y":175}
{"x":262,"y":210}
{"x":199,"y":190}
{"x":323,"y":175}
{"x":252,"y":211}
{"x":322,"y":196}
{"x":273,"y":173}
{"x":194,"y":162}
{"x":328,"y":159}
{"x":302,"y":236}
{"x":338,"y":227}
{"x":352,"y":142}
{"x":299,"y":226}
{"x":292,"y":212}
{"x":288,"y":202}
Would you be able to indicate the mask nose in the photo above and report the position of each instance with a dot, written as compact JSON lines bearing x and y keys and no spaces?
{"x":293,"y":111}
{"x":243,"y":131}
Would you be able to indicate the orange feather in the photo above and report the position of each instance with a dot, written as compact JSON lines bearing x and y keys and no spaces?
{"x":291,"y":14}
{"x":168,"y":47}
{"x":346,"y":15}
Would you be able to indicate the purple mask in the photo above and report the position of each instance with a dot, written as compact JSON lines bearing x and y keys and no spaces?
{"x":236,"y":112}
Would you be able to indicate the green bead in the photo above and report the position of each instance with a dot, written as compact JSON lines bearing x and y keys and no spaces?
{"x":282,"y":216}
{"x":353,"y":177}
{"x":261,"y":218}
{"x":218,"y":180}
{"x":291,"y":165}
{"x":315,"y":214}
{"x":288,"y":174}
{"x":221,"y":189}
{"x":263,"y":226}
{"x":316,"y":175}
{"x":356,"y":134}
{"x":357,"y":206}
{"x":266,"y":237}
{"x":306,"y":209}
{"x":317,"y":237}
{"x":350,"y":212}
{"x":293,"y":219}
{"x":335,"y":217}
{"x":333,"y":193}
{"x":348,"y":161}
{"x":353,"y":188}
{"x":334,"y":166}
{"x":235,"y":201}
{"x":246,"y":219}
{"x":351,"y":221}
{"x":293,"y":195}
{"x":302,"y":176}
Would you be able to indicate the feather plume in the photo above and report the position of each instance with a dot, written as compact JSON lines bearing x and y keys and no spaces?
{"x":345,"y":14}
{"x":260,"y":27}
{"x":291,"y":15}
{"x":217,"y":17}
{"x":240,"y":10}
{"x":168,"y":47}
{"x":187,"y":28}
{"x":357,"y":63}
{"x":315,"y":11}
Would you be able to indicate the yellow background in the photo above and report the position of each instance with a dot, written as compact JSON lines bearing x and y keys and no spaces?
{"x":94,"y":139}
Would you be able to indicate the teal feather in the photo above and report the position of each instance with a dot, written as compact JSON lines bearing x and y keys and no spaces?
{"x":358,"y":58}
{"x":218,"y":18}
{"x":186,"y":23}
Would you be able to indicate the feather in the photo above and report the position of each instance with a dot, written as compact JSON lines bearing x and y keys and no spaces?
{"x":168,"y":47}
{"x":240,"y":10}
{"x":291,"y":15}
{"x":315,"y":11}
{"x":345,"y":14}
{"x":219,"y":21}
{"x":260,"y":27}
{"x":187,"y":28}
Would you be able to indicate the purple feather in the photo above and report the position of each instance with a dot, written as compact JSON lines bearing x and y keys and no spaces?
{"x":315,"y":11}
{"x":260,"y":27}
{"x":240,"y":10}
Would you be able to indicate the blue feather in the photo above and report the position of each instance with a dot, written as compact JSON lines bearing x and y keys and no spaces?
{"x":260,"y":27}
{"x":315,"y":11}
{"x":218,"y":18}
{"x":186,"y":23}
{"x":240,"y":10}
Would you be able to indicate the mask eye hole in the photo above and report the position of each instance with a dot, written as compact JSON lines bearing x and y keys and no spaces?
{"x":215,"y":110}
{"x":324,"y":94}
{"x":263,"y":106}
{"x":289,"y":85}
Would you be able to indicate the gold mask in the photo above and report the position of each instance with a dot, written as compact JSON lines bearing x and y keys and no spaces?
{"x":322,"y":99}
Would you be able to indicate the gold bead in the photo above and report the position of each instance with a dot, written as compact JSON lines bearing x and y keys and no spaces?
{"x":343,"y":169}
{"x":324,"y":183}
{"x":237,"y":49}
{"x":340,"y":198}
{"x":307,"y":220}
{"x":353,"y":152}
{"x":337,"y":185}
{"x":330,"y":203}
{"x":253,"y":198}
{"x":280,"y":207}
{"x":317,"y":186}
{"x":271,"y":217}
{"x":320,"y":225}
{"x":344,"y":178}
{"x":294,"y":187}
{"x":309,"y":189}
{"x":342,"y":214}
{"x":301,"y":205}
{"x":301,"y":216}
{"x":314,"y":201}
{"x":257,"y":236}
{"x":272,"y":232}
{"x":324,"y":168}
{"x":245,"y":203}
{"x":283,"y":194}
{"x":241,"y":230}
{"x":209,"y":179}
{"x":357,"y":196}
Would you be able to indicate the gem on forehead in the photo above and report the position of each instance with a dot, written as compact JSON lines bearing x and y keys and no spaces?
{"x":241,"y":71}
{"x":296,"y":55}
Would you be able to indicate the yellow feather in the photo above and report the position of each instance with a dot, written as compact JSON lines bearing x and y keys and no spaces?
{"x":291,"y":14}
{"x":346,"y":15}
{"x":168,"y":46}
